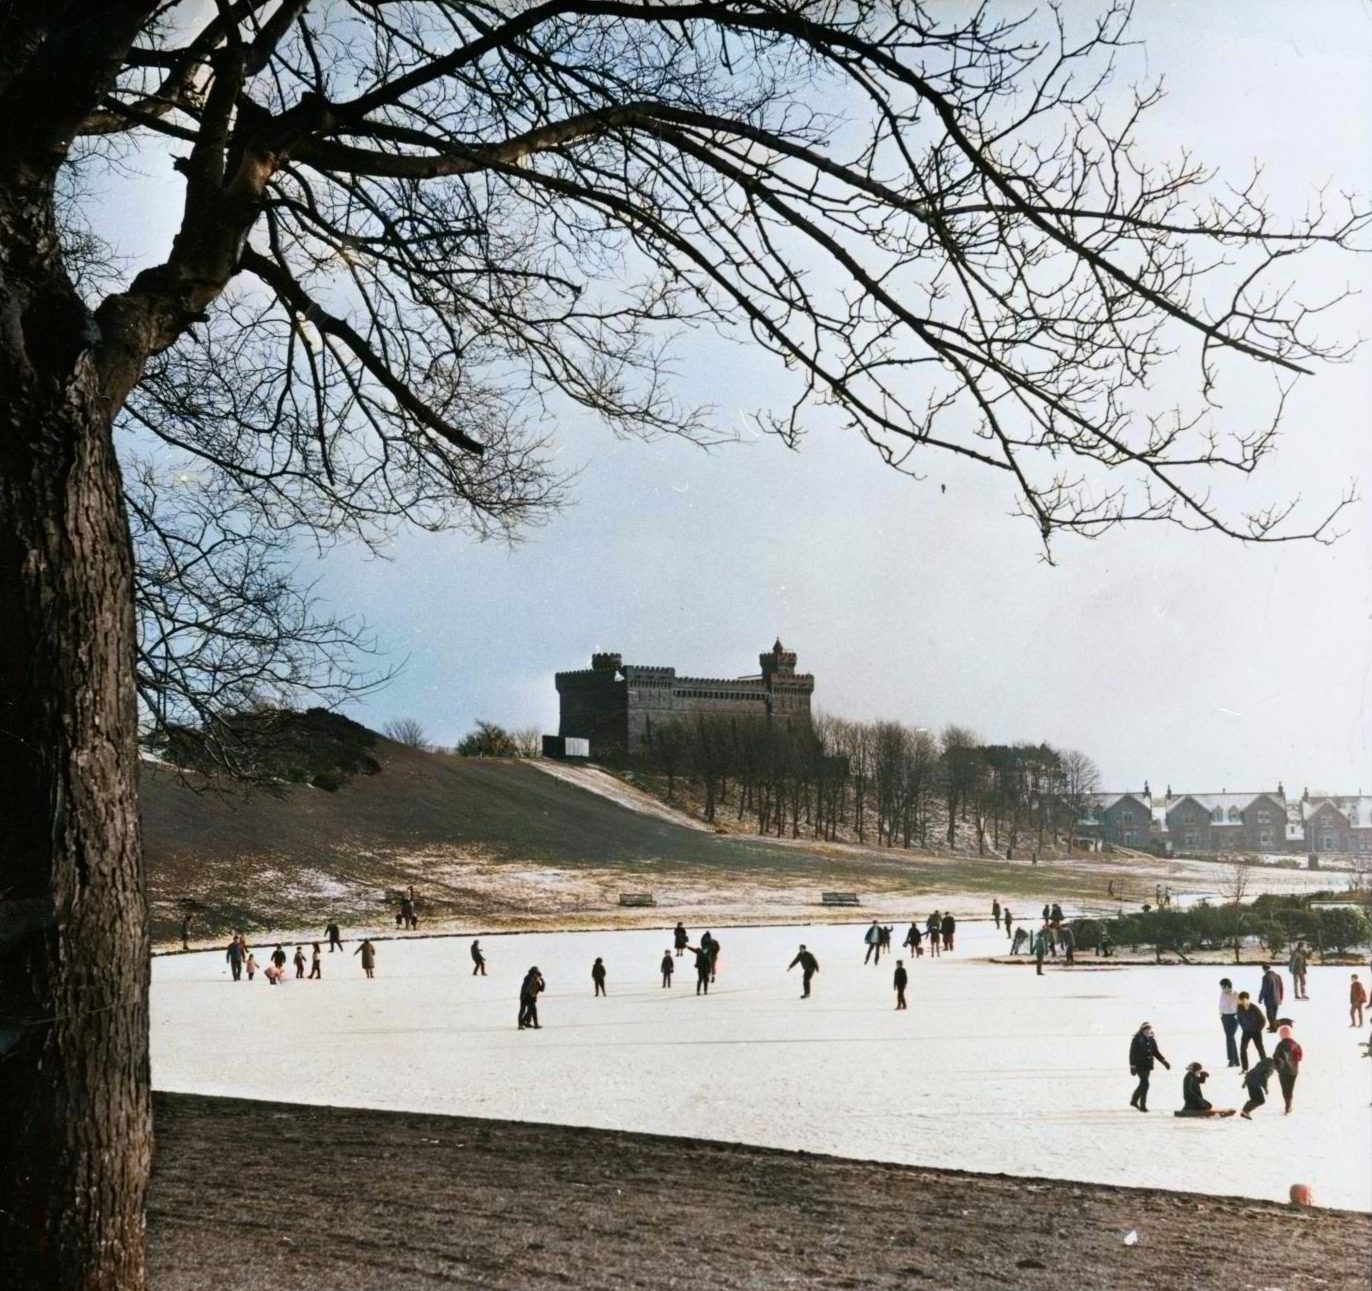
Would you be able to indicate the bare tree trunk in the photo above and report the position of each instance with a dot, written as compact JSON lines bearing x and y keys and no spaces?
{"x":75,"y":1116}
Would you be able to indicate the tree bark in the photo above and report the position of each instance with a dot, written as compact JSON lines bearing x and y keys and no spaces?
{"x":74,"y":946}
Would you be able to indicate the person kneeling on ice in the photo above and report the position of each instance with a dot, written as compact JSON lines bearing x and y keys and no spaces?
{"x":1255,"y":1081}
{"x":809,"y":966}
{"x":1194,"y":1103}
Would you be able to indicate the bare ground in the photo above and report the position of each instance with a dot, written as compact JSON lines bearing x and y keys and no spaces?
{"x":280,"y":1195}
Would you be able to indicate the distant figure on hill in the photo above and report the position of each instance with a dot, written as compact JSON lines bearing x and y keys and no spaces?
{"x":368,"y":953}
{"x":809,"y":966}
{"x":598,"y":975}
{"x":1255,"y":1082}
{"x":1271,"y":994}
{"x":995,"y":911}
{"x":1251,"y":1026}
{"x":1286,"y":1061}
{"x":1357,"y":1000}
{"x":1300,"y":960}
{"x":679,"y":938}
{"x":529,"y":990}
{"x":234,"y":955}
{"x":873,"y":939}
{"x":299,"y":962}
{"x":702,"y":954}
{"x":949,"y":927}
{"x":185,"y":932}
{"x":668,"y":967}
{"x":478,"y":960}
{"x":913,"y":939}
{"x":250,"y":964}
{"x":900,"y":981}
{"x":933,"y":927}
{"x":1143,"y":1052}
{"x":335,"y":941}
{"x":407,"y":913}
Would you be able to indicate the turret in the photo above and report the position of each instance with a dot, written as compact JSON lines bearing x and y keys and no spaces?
{"x":607,"y":662}
{"x":778,"y":661}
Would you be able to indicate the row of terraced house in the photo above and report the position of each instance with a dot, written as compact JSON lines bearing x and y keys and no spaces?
{"x":1314,"y":824}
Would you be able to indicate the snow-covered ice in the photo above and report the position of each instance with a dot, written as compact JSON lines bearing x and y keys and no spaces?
{"x":991,"y":1069}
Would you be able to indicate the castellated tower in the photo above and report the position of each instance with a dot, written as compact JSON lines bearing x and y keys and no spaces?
{"x":615,"y":705}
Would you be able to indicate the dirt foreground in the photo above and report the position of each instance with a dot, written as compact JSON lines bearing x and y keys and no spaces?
{"x":281,"y":1195}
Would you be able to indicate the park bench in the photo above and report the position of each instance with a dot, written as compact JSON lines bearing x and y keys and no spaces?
{"x":838,"y":898}
{"x":637,"y":898}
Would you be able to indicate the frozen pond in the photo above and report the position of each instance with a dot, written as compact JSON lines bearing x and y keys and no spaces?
{"x":991,"y":1069}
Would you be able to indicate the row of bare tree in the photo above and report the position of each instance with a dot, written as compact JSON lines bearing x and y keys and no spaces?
{"x":879,"y":781}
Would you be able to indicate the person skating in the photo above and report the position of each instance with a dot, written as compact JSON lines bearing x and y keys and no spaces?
{"x":335,"y":940}
{"x":316,"y":967}
{"x":948,"y":928}
{"x":368,"y":953}
{"x":1193,"y":1102}
{"x":900,"y":981}
{"x":1255,"y":1082}
{"x":299,"y":960}
{"x":809,"y":966}
{"x":1143,"y":1050}
{"x":1229,"y":1020}
{"x":873,"y":939}
{"x":995,"y":911}
{"x":1357,"y":1000}
{"x":1300,"y":961}
{"x":679,"y":938}
{"x":702,"y":954}
{"x":668,"y":967}
{"x":1286,"y":1061}
{"x":234,"y":955}
{"x":598,"y":975}
{"x":1270,"y":994}
{"x":1251,"y":1026}
{"x":529,"y":990}
{"x":478,"y":960}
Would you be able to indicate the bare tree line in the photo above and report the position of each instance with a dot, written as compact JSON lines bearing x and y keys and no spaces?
{"x":882,"y":782}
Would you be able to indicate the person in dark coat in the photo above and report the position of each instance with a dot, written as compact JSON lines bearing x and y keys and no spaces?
{"x":1069,"y":944}
{"x":933,"y":928}
{"x":1270,"y":994}
{"x":900,"y":980}
{"x":702,"y":954}
{"x":368,"y":953}
{"x":279,"y":959}
{"x":913,"y":939}
{"x":873,"y":939}
{"x":528,"y":999}
{"x":995,"y":911}
{"x":1255,"y":1082}
{"x":1143,"y":1052}
{"x":598,"y":975}
{"x":234,"y":955}
{"x":809,"y":966}
{"x":1251,"y":1026}
{"x":316,"y":965}
{"x":1193,"y":1102}
{"x":1009,"y":919}
{"x":335,"y":940}
{"x":948,"y":928}
{"x":714,"y":956}
{"x":1286,"y":1061}
{"x":478,"y":959}
{"x":668,"y":967}
{"x":299,"y":962}
{"x":679,"y":938}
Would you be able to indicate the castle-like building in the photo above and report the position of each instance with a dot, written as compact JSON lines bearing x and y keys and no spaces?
{"x":616,"y":705}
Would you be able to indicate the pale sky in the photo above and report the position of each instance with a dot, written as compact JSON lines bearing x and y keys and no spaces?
{"x":1181,"y":658}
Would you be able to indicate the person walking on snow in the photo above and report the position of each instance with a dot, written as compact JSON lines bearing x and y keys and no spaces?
{"x":1270,"y":994}
{"x":900,"y":980}
{"x":234,"y":955}
{"x":1251,"y":1026}
{"x":1286,"y":1061}
{"x":250,"y":965}
{"x":809,"y":966}
{"x":598,"y":975}
{"x":316,"y":969}
{"x":702,"y":954}
{"x":478,"y":960}
{"x":1143,"y":1051}
{"x":1300,"y":960}
{"x":299,"y":962}
{"x":1229,"y":1020}
{"x":668,"y":967}
{"x":368,"y":953}
{"x":680,"y":938}
{"x":1006,"y":915}
{"x":529,"y":989}
{"x":1357,"y":998}
{"x":873,"y":939}
{"x":995,"y":911}
{"x":949,"y":927}
{"x":1255,"y":1082}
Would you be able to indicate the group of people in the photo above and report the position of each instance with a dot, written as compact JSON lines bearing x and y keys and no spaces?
{"x":242,"y":962}
{"x":1054,"y":934}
